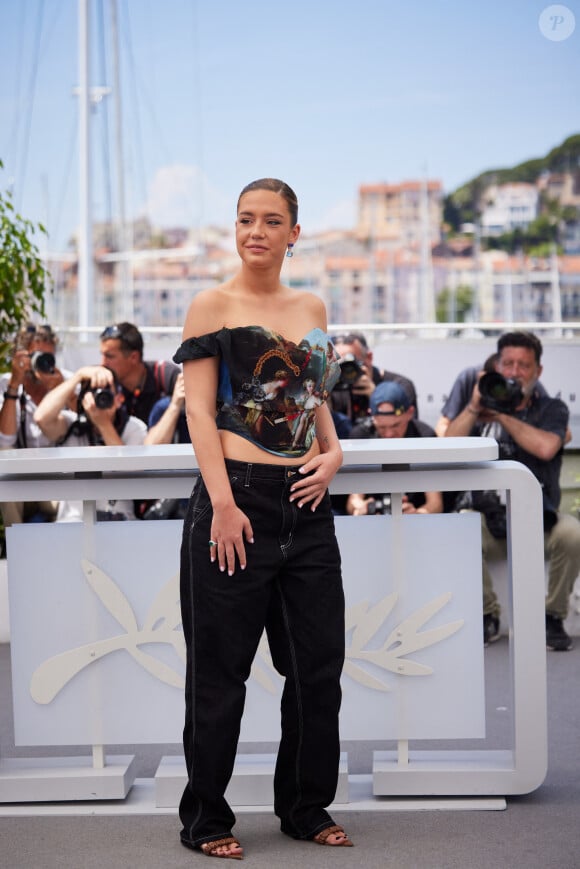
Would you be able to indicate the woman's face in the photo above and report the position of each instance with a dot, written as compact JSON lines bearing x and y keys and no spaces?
{"x":263,"y":229}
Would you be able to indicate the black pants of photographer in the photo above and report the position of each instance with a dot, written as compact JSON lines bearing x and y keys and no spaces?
{"x":292,"y":587}
{"x":15,"y":512}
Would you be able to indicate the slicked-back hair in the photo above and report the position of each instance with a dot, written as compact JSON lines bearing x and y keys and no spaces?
{"x":274,"y":185}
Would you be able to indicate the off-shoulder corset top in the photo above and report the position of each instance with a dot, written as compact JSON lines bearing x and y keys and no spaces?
{"x":269,"y":387}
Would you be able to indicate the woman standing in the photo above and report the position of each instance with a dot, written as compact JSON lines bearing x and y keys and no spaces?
{"x":259,"y":548}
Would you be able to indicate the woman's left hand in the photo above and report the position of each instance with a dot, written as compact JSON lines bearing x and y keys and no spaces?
{"x":320,"y":470}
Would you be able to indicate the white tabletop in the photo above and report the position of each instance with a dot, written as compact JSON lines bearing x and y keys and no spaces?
{"x":180,"y":457}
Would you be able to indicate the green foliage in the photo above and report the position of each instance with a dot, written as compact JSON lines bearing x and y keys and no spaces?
{"x":541,"y":230}
{"x":541,"y":234}
{"x":452,"y":214}
{"x":565,"y":157}
{"x":543,"y":250}
{"x":453,"y":306}
{"x":466,"y":199}
{"x":23,"y":278}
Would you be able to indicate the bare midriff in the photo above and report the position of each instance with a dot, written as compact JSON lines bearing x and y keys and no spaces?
{"x":241,"y":450}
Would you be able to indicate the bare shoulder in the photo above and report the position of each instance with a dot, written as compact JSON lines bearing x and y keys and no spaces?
{"x":206,"y":312}
{"x":313,"y":306}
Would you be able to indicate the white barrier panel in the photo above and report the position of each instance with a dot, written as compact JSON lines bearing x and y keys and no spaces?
{"x":414,"y":655}
{"x":423,"y":592}
{"x":107,"y":666}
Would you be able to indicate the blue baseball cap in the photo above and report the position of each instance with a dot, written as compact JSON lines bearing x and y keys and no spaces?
{"x":391,"y":392}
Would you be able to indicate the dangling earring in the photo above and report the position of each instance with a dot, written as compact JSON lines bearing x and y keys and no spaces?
{"x":290,"y":252}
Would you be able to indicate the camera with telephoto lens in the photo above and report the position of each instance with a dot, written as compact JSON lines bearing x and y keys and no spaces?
{"x":42,"y":363}
{"x":498,"y":393}
{"x":345,"y":397}
{"x":379,"y":506}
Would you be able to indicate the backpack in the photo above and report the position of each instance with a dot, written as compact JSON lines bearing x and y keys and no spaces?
{"x":161,"y":376}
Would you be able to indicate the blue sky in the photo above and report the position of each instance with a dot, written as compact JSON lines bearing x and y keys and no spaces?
{"x":325,"y":94}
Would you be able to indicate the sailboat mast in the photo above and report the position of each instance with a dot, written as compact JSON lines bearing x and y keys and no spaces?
{"x":125,"y":282}
{"x":85,"y":252}
{"x":426,"y":293}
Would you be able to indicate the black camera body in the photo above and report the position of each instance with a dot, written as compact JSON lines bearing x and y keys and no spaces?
{"x":345,"y":398}
{"x":42,"y":363}
{"x":104,"y":397}
{"x":350,"y":371}
{"x":82,"y":426}
{"x":379,"y":506}
{"x":498,"y":393}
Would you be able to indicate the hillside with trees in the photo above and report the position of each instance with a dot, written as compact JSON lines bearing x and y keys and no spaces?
{"x":465,"y":204}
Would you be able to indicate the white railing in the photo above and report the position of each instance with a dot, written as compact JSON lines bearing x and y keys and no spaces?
{"x":566,"y":330}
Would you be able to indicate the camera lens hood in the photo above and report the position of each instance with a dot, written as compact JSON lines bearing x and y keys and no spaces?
{"x":498,"y":393}
{"x":43,"y":363}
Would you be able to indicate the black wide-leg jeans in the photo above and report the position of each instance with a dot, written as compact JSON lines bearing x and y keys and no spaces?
{"x":292,"y":587}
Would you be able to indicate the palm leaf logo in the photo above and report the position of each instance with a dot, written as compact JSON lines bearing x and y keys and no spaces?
{"x":162,"y":624}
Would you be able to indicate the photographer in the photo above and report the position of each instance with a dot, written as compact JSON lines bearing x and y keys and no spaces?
{"x":460,"y":394}
{"x":33,"y":373}
{"x":530,"y":427}
{"x":392,"y":417}
{"x":351,"y":395}
{"x":142,"y":382}
{"x":100,"y":419}
{"x":167,"y":423}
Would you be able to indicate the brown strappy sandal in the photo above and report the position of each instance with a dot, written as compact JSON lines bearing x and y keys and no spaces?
{"x":322,"y":838}
{"x":210,"y":849}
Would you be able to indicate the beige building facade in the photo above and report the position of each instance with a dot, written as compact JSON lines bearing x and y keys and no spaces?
{"x":400,"y":214}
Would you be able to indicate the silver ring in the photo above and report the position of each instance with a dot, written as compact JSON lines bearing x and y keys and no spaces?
{"x":212,"y":543}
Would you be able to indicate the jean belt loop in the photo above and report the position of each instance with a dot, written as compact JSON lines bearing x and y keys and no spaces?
{"x":248,"y":474}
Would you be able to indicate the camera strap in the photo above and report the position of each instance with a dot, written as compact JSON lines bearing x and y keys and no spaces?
{"x":79,"y":426}
{"x":21,"y":439}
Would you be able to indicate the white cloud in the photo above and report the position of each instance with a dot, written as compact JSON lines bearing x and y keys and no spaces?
{"x":181,"y":195}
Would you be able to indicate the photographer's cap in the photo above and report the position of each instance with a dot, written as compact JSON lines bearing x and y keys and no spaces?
{"x":389,"y":392}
